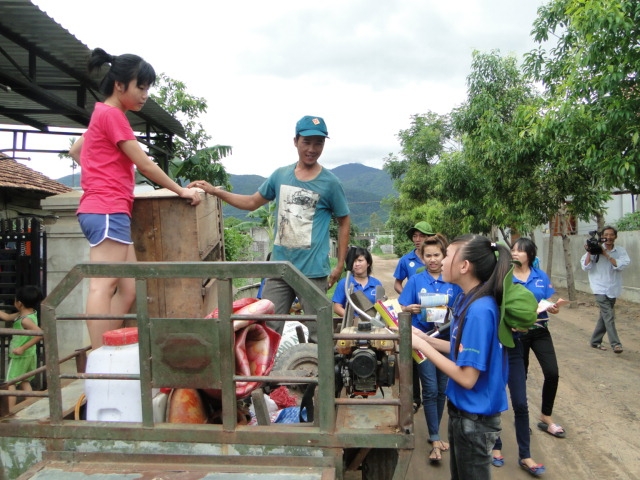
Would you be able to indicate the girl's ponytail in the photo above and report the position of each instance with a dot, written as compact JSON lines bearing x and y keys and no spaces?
{"x":124,"y":68}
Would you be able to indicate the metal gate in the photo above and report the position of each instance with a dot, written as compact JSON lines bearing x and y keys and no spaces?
{"x":23,"y":261}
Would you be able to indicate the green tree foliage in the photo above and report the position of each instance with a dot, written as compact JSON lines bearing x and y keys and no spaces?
{"x":631,"y":221}
{"x":507,"y":168}
{"x":423,"y":144}
{"x":333,"y":231}
{"x":237,"y":243}
{"x":375,"y":223}
{"x":191,"y":159}
{"x":591,"y":78}
{"x":458,"y":185}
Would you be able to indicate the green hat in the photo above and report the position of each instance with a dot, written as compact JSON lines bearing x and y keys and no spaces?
{"x":309,"y":126}
{"x":518,"y":310}
{"x":423,"y":227}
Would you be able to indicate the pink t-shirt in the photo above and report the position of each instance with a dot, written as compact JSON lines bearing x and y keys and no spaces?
{"x":107,"y":173}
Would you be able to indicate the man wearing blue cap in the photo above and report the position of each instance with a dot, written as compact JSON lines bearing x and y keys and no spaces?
{"x":306,"y":195}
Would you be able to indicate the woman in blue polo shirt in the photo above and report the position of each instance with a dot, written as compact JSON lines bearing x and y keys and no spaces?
{"x":474,"y":359}
{"x":432,"y":380}
{"x":360,"y":279}
{"x":539,"y":338}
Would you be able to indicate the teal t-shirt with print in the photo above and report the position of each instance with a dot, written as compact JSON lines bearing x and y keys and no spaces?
{"x":303,"y":214}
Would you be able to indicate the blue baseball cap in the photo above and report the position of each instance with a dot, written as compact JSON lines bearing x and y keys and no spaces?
{"x":309,"y":126}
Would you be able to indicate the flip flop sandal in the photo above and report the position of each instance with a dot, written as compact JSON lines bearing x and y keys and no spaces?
{"x":536,"y":470}
{"x":599,"y":347}
{"x":435,"y":455}
{"x":552,"y":429}
{"x":497,"y":461}
{"x":617,"y":349}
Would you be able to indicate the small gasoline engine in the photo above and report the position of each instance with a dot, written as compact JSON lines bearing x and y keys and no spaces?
{"x":362,"y":366}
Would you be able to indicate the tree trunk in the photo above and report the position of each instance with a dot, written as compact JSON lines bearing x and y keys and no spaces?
{"x":600,"y":221}
{"x":571,"y":285}
{"x":507,"y":237}
{"x":550,"y":251}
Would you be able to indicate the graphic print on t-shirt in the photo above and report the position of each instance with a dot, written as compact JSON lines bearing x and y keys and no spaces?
{"x":295,"y":216}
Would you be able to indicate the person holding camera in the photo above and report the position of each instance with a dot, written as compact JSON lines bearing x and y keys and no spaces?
{"x":604,"y":265}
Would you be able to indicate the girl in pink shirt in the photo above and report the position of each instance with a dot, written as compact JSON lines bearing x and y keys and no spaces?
{"x":107,"y":153}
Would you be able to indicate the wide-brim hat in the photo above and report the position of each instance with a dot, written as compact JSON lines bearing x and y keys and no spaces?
{"x":518,"y":310}
{"x":422,"y":227}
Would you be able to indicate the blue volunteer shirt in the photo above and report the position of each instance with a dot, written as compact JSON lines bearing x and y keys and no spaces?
{"x":369,"y":290}
{"x":540,"y":285}
{"x":423,"y":281}
{"x":480,"y":349}
{"x":407,"y":266}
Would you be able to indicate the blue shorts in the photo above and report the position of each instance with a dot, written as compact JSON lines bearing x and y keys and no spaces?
{"x":98,"y":227}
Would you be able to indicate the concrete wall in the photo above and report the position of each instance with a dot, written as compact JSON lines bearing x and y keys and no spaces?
{"x":630,"y":277}
{"x":261,"y":243}
{"x":66,"y":247}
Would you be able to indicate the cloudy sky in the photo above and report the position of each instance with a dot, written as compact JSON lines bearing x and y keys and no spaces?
{"x":365,"y":66}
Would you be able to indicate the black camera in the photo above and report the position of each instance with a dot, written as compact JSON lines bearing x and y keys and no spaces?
{"x":594,"y":243}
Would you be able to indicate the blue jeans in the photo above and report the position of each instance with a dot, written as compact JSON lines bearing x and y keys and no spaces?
{"x":606,"y":322}
{"x":282,"y":295}
{"x":434,"y":384}
{"x":518,"y":392}
{"x":471,"y":438}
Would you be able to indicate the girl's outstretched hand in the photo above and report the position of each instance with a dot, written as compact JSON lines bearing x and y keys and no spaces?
{"x":191,"y":194}
{"x":418,"y":333}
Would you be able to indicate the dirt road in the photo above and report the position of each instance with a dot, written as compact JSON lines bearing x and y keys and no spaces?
{"x":598,"y":401}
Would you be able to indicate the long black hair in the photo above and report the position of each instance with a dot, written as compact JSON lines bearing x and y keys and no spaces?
{"x":490,"y":263}
{"x":124,"y":68}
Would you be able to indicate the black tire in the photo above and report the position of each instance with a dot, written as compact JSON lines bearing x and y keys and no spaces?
{"x":380,"y":464}
{"x":298,"y":357}
{"x":303,"y":356}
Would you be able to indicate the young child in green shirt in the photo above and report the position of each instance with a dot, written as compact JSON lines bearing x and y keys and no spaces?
{"x":22,"y":349}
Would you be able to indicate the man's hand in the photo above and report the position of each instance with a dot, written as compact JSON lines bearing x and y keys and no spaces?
{"x":204,"y":185}
{"x":334,"y":276}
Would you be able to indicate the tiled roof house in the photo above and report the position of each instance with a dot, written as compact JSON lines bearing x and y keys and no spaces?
{"x":22,"y":188}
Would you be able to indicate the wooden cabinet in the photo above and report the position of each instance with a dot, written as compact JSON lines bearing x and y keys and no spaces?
{"x":167,"y":228}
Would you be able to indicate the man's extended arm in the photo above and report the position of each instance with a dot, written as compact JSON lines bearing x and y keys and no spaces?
{"x":243,"y":202}
{"x":344,"y":226}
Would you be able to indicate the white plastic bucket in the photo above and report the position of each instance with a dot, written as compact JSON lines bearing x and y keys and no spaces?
{"x":114,"y":400}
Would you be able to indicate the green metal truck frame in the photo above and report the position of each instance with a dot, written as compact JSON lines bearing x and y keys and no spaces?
{"x":375,"y":434}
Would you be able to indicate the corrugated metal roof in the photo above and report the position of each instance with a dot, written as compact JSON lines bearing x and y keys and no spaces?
{"x":44,"y":80}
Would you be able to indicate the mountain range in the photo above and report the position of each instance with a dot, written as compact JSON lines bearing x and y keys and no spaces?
{"x":364,"y":186}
